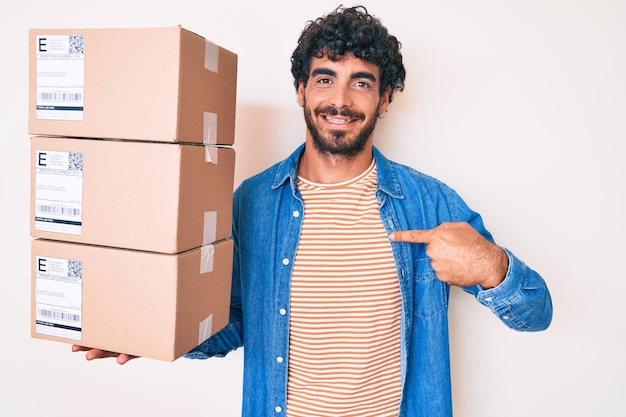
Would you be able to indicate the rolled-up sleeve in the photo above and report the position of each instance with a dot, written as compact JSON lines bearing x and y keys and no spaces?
{"x":522,"y":300}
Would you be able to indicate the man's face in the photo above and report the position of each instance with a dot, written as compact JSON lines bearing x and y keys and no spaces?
{"x":341,"y":104}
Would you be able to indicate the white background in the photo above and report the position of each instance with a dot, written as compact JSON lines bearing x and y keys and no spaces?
{"x":519,"y":105}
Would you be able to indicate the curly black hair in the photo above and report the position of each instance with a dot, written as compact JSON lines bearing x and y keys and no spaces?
{"x":350,"y":30}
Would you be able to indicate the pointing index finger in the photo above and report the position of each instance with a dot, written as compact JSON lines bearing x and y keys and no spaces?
{"x":414,"y":236}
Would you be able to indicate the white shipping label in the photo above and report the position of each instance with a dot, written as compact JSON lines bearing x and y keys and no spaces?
{"x":58,"y":297}
{"x":60,"y":77}
{"x":59,"y":192}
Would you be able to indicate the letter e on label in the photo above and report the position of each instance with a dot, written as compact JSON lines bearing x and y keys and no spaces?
{"x":42,"y":264}
{"x":41,"y":159}
{"x":42,"y":44}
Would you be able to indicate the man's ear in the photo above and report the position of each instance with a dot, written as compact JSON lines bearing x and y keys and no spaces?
{"x":384,"y":101}
{"x":301,"y":94}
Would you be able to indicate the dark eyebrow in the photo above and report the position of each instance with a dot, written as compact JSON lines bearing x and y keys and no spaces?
{"x":323,"y":71}
{"x":364,"y":74}
{"x":356,"y":75}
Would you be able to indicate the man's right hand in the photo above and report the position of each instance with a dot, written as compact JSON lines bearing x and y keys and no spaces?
{"x":92,"y":353}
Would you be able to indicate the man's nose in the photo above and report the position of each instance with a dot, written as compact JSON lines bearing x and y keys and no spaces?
{"x":341,"y":97}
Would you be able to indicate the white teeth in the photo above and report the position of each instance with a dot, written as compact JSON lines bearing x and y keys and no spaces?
{"x":337,"y":121}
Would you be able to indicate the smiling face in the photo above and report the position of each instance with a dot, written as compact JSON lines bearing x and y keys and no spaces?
{"x":341,"y":103}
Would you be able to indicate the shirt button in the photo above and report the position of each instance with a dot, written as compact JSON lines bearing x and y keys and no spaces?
{"x":296,"y":213}
{"x":279,"y":359}
{"x":278,"y":409}
{"x":488,"y":299}
{"x":285,"y":261}
{"x":282,"y":311}
{"x":505,"y":317}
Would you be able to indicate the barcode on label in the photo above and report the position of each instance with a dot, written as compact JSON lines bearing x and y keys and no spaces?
{"x":77,"y":44}
{"x":74,"y":269}
{"x":75,"y":161}
{"x":59,"y":96}
{"x":60,"y":315}
{"x":68,"y":211}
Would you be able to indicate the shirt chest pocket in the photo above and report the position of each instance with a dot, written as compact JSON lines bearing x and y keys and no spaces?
{"x":430,"y":294}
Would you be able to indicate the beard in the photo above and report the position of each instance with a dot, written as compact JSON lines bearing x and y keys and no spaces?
{"x":336,"y":143}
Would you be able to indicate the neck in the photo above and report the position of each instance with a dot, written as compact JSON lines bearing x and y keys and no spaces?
{"x":330,"y":169}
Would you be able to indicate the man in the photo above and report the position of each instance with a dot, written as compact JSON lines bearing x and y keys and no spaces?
{"x":344,"y":260}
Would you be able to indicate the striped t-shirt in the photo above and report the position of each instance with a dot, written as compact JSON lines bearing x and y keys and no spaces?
{"x":344,"y":339}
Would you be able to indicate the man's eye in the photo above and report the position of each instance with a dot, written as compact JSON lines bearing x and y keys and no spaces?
{"x":323,"y":81}
{"x":363,"y":84}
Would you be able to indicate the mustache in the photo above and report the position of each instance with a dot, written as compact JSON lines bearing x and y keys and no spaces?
{"x":333,"y":111}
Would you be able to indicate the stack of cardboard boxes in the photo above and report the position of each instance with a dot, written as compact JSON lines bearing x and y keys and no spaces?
{"x":132,"y":172}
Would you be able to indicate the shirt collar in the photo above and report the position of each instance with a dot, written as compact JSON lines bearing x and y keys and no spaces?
{"x":387,"y":177}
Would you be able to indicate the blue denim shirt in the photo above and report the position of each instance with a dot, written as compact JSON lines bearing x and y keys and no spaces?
{"x":267,"y":217}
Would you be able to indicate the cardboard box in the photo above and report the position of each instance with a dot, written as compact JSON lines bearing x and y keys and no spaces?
{"x":146,"y":304}
{"x":153,"y":196}
{"x":158,"y":84}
